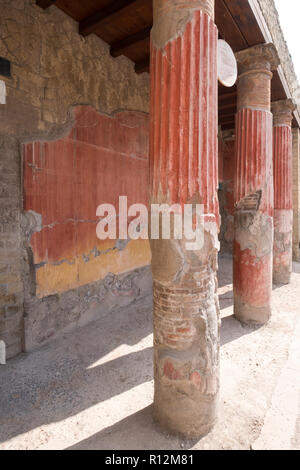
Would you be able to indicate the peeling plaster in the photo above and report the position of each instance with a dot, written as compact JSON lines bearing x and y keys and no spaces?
{"x":254,"y":232}
{"x":31,"y":222}
{"x":172,"y":18}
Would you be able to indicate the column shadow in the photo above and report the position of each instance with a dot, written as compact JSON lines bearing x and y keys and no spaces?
{"x":296,"y":267}
{"x":136,"y":432}
{"x":226,"y":300}
{"x":232,"y":329}
{"x":63,"y":378}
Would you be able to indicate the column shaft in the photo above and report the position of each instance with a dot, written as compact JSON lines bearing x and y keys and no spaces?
{"x":296,"y":195}
{"x":283,"y":192}
{"x":183,"y":156}
{"x":253,"y":244}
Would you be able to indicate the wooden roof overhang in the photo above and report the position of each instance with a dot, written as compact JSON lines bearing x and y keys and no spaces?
{"x":125,"y":25}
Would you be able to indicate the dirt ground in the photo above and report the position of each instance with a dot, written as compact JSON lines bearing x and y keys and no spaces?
{"x":93,"y":389}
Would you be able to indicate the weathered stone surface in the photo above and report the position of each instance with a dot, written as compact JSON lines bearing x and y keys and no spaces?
{"x":283,"y":191}
{"x":172,"y":16}
{"x":253,"y":265}
{"x":51,"y":316}
{"x":254,"y":81}
{"x":11,"y":287}
{"x":253,"y":244}
{"x":270,"y":14}
{"x":53,"y":70}
{"x":183,"y":162}
{"x":283,"y":112}
{"x":186,"y":340}
{"x":283,"y":246}
{"x":296,"y":194}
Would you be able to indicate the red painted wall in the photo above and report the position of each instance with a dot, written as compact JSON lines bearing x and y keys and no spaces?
{"x":65,"y":181}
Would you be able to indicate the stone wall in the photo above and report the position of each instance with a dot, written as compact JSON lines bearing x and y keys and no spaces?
{"x":272,"y":19}
{"x":54,"y":69}
{"x":296,"y":194}
{"x":11,"y":286}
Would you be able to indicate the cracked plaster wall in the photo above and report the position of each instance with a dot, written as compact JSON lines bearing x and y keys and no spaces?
{"x":53,"y":70}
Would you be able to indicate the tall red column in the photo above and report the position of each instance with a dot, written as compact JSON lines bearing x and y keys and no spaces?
{"x":253,"y":243}
{"x":283,"y":191}
{"x":184,"y":159}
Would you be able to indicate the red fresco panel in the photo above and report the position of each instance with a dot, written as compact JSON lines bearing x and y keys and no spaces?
{"x":102,"y":158}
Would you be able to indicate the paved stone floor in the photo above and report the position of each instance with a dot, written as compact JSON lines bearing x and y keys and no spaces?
{"x":93,"y":389}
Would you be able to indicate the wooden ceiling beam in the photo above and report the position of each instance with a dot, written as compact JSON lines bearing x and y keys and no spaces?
{"x":119,"y":47}
{"x":227,"y":96}
{"x":227,"y":116}
{"x":228,"y":127}
{"x":228,"y":28}
{"x":245,"y":20}
{"x":90,"y":24}
{"x":45,"y":3}
{"x":231,"y":105}
{"x":228,"y":120}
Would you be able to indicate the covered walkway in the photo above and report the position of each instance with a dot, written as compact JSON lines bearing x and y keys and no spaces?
{"x":93,"y":389}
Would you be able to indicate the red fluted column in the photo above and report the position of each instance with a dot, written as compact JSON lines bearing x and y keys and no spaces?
{"x":184,"y":159}
{"x":283,"y":191}
{"x":253,"y":243}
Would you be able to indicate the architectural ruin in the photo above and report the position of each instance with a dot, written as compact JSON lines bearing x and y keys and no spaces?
{"x":104,"y":99}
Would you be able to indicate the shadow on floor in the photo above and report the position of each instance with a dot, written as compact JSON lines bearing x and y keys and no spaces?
{"x":64,"y":378}
{"x":73,"y":373}
{"x":226,"y":300}
{"x":232,"y":329}
{"x":137,"y":432}
{"x":296,"y":267}
{"x":225,"y":272}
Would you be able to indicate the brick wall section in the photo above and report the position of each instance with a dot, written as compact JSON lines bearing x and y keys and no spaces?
{"x":11,"y":287}
{"x":53,"y":70}
{"x":296,"y":194}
